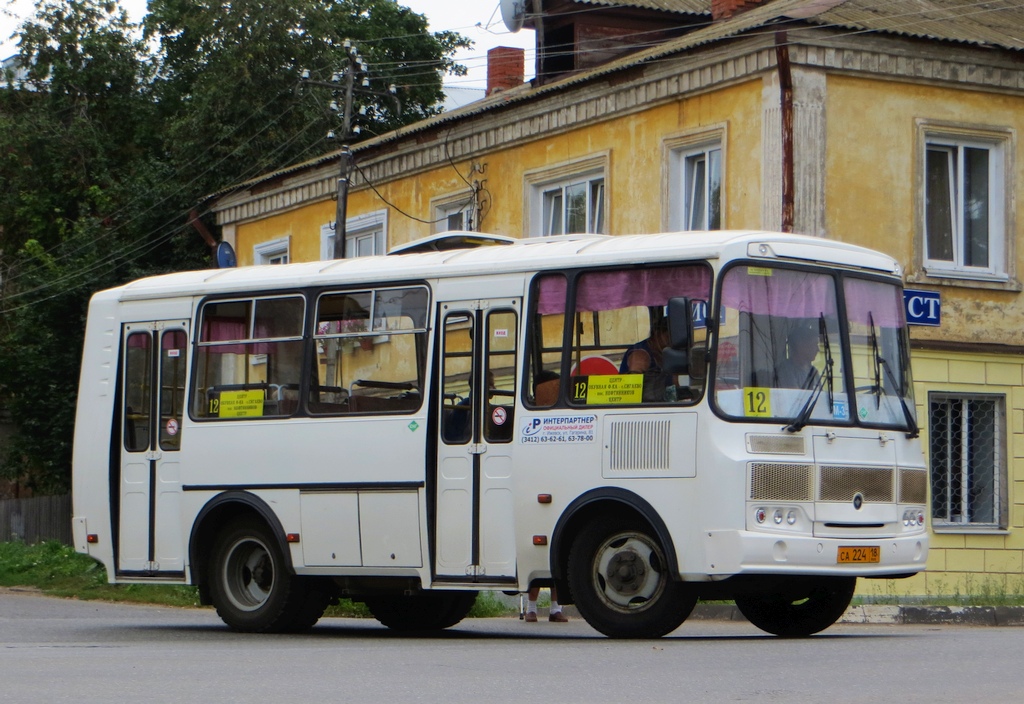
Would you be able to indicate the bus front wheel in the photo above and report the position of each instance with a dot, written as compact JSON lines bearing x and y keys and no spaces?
{"x":621,"y":583}
{"x":252,"y":589}
{"x":811,"y":607}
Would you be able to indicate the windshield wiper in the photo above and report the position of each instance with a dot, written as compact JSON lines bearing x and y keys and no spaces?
{"x":912,"y":430}
{"x":876,"y":364}
{"x":880,"y":363}
{"x":826,"y":378}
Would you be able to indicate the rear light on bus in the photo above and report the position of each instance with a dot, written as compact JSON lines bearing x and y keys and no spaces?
{"x":540,"y":540}
{"x":92,"y":538}
{"x":291,"y":537}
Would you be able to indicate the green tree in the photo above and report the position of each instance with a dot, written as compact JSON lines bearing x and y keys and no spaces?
{"x":229,"y":72}
{"x":106,"y":147}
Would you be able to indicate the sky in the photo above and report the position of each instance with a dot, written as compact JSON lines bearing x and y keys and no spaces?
{"x":478,"y":20}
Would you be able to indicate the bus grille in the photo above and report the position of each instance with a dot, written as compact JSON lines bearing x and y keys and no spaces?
{"x":639,"y":445}
{"x":874,"y":484}
{"x":913,"y":486}
{"x":778,"y":481}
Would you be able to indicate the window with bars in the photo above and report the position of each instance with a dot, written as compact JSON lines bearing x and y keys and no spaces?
{"x":967,"y":457}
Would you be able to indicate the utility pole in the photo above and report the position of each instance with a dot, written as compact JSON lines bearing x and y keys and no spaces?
{"x":344,"y":85}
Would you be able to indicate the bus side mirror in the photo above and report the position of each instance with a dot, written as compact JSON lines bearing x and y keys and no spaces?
{"x":676,"y":357}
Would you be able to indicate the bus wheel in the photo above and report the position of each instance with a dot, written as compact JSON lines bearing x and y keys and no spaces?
{"x":796,"y":614}
{"x":251,"y":587}
{"x":620,"y":581}
{"x":425,"y":611}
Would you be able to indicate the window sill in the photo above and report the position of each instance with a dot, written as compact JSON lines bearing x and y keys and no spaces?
{"x":969,"y":529}
{"x":962,"y":280}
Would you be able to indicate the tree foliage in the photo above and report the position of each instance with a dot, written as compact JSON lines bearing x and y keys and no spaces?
{"x":117,"y":131}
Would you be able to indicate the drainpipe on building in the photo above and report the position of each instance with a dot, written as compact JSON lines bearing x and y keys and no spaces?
{"x":786,"y":100}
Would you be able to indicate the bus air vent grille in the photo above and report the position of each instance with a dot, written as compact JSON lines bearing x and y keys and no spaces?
{"x":779,"y":481}
{"x":639,"y":445}
{"x":913,"y":486}
{"x":874,"y":484}
{"x":775,"y":444}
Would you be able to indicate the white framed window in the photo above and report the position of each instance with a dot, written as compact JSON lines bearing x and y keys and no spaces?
{"x":365,"y":235}
{"x":276,"y":251}
{"x":456,"y":212}
{"x":964,"y":205}
{"x":968,"y":460}
{"x":568,"y":199}
{"x":695,"y":178}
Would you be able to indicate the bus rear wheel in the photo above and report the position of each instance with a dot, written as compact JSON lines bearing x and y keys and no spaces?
{"x":621,"y":583}
{"x":251,"y":587}
{"x":813,"y":606}
{"x":425,"y":611}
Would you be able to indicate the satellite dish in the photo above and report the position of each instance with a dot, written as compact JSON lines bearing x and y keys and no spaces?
{"x":225,"y":256}
{"x":513,"y":12}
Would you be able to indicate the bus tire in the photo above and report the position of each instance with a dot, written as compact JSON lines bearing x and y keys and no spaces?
{"x":425,"y":611}
{"x":620,"y":580}
{"x":250,"y":586}
{"x":800,"y":613}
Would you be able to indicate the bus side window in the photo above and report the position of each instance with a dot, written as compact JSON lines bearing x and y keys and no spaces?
{"x":502,"y":333}
{"x":547,"y":331}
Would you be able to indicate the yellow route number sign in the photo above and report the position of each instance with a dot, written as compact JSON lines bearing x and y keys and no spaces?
{"x":608,"y":389}
{"x":238,"y":404}
{"x":757,"y":402}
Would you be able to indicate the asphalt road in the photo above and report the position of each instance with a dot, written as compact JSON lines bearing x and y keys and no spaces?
{"x":54,"y":650}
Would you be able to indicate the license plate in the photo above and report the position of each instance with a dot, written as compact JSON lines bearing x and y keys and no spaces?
{"x":859,"y":553}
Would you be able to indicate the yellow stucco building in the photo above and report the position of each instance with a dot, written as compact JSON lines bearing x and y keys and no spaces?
{"x":846,"y":119}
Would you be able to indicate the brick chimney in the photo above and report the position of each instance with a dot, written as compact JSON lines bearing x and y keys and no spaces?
{"x":724,"y":9}
{"x":505,"y":68}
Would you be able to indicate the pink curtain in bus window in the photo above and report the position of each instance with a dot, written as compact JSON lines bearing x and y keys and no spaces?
{"x":551,"y":295}
{"x":783,"y":293}
{"x":139,"y":339}
{"x":883,"y":301}
{"x":608,"y":290}
{"x":218,"y":329}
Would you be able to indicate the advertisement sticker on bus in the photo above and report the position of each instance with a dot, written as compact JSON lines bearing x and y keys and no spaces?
{"x":559,"y":429}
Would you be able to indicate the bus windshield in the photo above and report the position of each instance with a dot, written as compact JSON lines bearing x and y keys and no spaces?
{"x":781,"y":354}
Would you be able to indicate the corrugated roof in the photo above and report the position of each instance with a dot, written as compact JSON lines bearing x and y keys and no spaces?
{"x":998,"y":23}
{"x":690,"y":7}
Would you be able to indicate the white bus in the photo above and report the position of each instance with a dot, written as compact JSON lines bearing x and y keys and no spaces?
{"x":410,"y":429}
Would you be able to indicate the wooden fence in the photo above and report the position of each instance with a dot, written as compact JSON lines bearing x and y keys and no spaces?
{"x":36,"y":520}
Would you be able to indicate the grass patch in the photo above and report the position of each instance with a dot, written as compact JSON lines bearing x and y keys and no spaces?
{"x":56,"y":569}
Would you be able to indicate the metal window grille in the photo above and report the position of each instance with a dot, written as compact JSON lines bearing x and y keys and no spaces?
{"x":967,"y":458}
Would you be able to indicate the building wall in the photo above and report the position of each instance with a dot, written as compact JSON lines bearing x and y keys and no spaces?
{"x":636,"y":161}
{"x":875,"y":188}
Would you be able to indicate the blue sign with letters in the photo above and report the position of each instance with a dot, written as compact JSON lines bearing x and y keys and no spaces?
{"x":923,"y":307}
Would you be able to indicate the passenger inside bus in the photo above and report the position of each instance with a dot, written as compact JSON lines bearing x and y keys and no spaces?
{"x":645,"y":357}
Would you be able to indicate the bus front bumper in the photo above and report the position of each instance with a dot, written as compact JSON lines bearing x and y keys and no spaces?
{"x":732,"y":552}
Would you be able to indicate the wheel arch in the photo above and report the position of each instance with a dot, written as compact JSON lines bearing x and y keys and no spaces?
{"x":603,"y":501}
{"x":214,"y":516}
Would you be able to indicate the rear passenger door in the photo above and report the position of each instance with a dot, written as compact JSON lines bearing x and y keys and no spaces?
{"x":474,"y":513}
{"x":154,"y":367}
